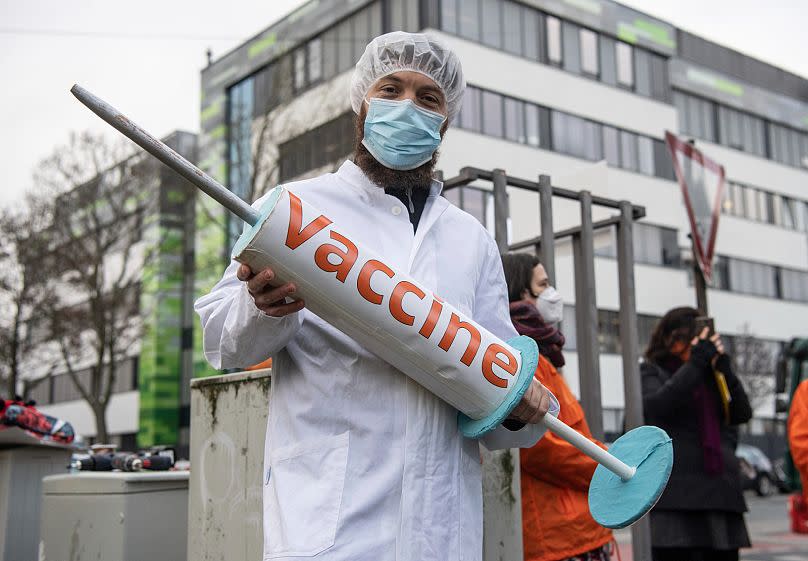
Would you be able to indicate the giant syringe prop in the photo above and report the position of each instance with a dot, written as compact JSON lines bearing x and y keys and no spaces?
{"x":403,"y":322}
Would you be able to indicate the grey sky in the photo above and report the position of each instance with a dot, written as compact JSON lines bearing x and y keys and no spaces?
{"x":145,"y":59}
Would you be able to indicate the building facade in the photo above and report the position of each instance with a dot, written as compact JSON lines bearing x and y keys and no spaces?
{"x":582,"y":91}
{"x":151,"y":395}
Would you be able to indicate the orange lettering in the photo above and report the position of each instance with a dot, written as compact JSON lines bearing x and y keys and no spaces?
{"x":399,"y":291}
{"x":455,"y":325}
{"x":347,"y":257}
{"x":432,"y":318}
{"x":363,"y":282}
{"x":491,"y":356}
{"x":294,"y":235}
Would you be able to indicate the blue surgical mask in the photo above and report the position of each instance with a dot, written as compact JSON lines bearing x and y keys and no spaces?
{"x":401,"y":135}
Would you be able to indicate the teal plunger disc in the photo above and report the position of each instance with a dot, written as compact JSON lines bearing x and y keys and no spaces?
{"x":615,"y":503}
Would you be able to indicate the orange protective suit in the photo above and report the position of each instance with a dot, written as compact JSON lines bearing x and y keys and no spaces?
{"x":555,"y":476}
{"x":798,"y":433}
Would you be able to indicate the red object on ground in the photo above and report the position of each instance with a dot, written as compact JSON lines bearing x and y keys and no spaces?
{"x":798,"y":511}
{"x":27,"y":417}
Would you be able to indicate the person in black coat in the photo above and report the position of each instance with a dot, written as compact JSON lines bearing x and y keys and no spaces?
{"x":700,"y":514}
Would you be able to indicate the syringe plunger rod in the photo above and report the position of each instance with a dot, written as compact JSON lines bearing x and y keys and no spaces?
{"x":166,"y":155}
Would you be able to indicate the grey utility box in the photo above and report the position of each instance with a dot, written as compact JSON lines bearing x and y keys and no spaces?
{"x":22,"y":468}
{"x":115,"y":516}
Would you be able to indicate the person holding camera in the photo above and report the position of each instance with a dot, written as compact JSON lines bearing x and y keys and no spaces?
{"x":690,"y":391}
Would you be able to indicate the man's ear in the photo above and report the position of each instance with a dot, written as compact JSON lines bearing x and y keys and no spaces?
{"x":444,"y":127}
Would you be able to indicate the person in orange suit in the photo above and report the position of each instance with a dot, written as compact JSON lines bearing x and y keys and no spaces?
{"x":555,"y":476}
{"x":798,"y":433}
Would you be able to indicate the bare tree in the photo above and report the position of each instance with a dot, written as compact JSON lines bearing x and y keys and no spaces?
{"x":754,"y":365}
{"x":20,"y":291}
{"x":99,"y":195}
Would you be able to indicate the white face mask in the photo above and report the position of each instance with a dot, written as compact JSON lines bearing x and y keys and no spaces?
{"x":550,"y":305}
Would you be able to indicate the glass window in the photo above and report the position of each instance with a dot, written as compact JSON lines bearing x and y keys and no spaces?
{"x":492,"y":23}
{"x":642,"y":72}
{"x":571,"y":46}
{"x":785,"y":145}
{"x":262,"y":91}
{"x":375,"y":10}
{"x":553,"y":39}
{"x":403,"y":15}
{"x":656,"y":245}
{"x":739,"y":201}
{"x":361,"y":33}
{"x":771,"y":215}
{"x":663,"y":165}
{"x":533,"y":35}
{"x":628,"y":150}
{"x":660,"y":86}
{"x":740,"y":131}
{"x":560,"y":132}
{"x":512,"y":14}
{"x":315,"y":48}
{"x":751,"y":204}
{"x":611,"y":146}
{"x":572,"y":135}
{"x":625,"y":65}
{"x":514,"y":120}
{"x":696,"y":116}
{"x":794,"y":285}
{"x":345,"y":39}
{"x":589,"y":52}
{"x":747,"y":277}
{"x":448,"y":15}
{"x":592,"y":141}
{"x":544,"y":127}
{"x":608,"y":64}
{"x":645,"y":152}
{"x":789,"y":213}
{"x":330,"y":66}
{"x":720,"y":273}
{"x":470,"y":117}
{"x":300,"y":68}
{"x":240,"y":116}
{"x":470,"y":19}
{"x":609,"y":332}
{"x":492,"y":113}
{"x":532,"y":124}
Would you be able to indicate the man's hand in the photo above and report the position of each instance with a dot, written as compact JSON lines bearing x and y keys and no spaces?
{"x":534,"y":405}
{"x":268,"y":298}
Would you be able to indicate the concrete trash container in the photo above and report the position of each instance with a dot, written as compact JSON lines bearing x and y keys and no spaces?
{"x":115,"y":516}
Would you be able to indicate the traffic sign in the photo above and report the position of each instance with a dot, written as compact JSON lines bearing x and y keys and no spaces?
{"x":702,"y":183}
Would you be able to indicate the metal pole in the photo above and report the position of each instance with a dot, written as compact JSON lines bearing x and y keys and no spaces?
{"x":699,"y":283}
{"x":547,"y":256}
{"x":586,"y":316}
{"x":501,"y":211}
{"x":502,"y":494}
{"x":166,"y":155}
{"x":632,"y":386}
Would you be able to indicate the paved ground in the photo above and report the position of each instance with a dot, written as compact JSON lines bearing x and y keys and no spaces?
{"x":768,"y":524}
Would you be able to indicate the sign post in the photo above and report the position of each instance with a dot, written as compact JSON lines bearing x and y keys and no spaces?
{"x":702,"y":183}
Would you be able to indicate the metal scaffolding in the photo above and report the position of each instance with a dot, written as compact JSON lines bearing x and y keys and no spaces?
{"x":502,"y":500}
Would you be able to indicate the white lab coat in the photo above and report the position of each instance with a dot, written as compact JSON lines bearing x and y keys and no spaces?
{"x":361,"y":463}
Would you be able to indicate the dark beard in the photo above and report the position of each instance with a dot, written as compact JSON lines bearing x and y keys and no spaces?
{"x":384,"y":177}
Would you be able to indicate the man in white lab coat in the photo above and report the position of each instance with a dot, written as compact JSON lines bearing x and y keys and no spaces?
{"x":362,"y":463}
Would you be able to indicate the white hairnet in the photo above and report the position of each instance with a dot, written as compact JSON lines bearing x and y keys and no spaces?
{"x":415,"y":52}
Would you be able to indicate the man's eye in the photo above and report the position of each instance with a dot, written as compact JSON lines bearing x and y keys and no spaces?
{"x":431,"y":99}
{"x":389,"y":89}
